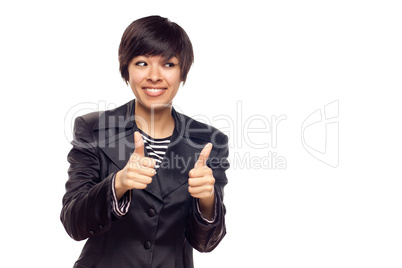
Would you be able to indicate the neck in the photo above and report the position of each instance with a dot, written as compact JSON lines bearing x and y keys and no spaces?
{"x":157,"y":123}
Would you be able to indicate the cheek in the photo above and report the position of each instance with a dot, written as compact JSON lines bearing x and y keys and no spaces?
{"x":174,"y":79}
{"x":134,"y":79}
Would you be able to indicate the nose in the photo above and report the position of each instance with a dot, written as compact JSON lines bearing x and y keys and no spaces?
{"x":154,"y":74}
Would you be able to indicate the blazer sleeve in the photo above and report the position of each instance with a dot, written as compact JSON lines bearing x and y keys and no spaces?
{"x":204,"y":236}
{"x":87,"y":204}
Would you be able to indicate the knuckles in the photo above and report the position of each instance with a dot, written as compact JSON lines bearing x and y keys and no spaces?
{"x":206,"y":182}
{"x":135,"y":157}
{"x":191,"y":173}
{"x":139,"y":165}
{"x":208,"y":170}
{"x":148,"y":162}
{"x":137,"y":161}
{"x":200,"y":172}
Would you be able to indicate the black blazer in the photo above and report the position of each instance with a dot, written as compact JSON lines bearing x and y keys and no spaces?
{"x":163,"y":224}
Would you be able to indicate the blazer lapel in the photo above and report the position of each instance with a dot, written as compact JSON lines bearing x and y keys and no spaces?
{"x":178,"y":161}
{"x":116,"y":139}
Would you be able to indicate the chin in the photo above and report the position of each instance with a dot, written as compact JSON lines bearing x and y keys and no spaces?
{"x":156,"y":104}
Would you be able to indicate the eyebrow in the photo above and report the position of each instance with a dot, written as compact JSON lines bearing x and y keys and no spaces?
{"x":163,"y":59}
{"x":174,"y":57}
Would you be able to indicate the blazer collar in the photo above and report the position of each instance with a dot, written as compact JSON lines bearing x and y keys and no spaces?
{"x":116,"y":139}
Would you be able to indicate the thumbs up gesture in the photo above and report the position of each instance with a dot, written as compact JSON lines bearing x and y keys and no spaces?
{"x":138,"y":172}
{"x":201,"y":181}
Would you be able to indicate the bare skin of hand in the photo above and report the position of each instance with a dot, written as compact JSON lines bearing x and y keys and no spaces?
{"x":201,"y":183}
{"x":138,"y":172}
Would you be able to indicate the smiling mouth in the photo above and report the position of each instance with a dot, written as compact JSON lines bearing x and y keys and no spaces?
{"x":154,"y":91}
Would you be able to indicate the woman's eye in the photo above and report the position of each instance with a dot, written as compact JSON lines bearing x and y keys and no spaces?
{"x":169,"y":64}
{"x":140,"y":63}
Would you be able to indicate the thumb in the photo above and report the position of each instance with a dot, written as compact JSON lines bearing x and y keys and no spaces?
{"x":139,"y":144}
{"x":202,"y":159}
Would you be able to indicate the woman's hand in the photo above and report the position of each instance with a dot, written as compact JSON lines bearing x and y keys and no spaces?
{"x":201,"y":183}
{"x":138,"y":172}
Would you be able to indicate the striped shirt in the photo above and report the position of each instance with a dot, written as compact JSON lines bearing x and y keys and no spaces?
{"x":156,"y":148}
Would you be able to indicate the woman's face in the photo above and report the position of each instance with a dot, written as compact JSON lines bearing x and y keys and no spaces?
{"x":154,"y":80}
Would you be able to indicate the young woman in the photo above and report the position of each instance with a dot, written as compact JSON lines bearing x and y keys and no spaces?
{"x":146,"y":182}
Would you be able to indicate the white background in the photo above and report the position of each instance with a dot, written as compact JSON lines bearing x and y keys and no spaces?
{"x":262,"y":59}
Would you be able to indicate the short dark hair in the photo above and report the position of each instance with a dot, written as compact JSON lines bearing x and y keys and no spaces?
{"x":152,"y":36}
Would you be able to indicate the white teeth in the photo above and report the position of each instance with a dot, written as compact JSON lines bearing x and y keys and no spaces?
{"x":153,"y":89}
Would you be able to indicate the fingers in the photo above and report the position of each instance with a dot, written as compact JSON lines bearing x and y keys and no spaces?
{"x":147,"y":171}
{"x":200,"y":172}
{"x":198,"y":182}
{"x":139,"y":178}
{"x":201,"y":180}
{"x":137,"y":161}
{"x":202,"y":159}
{"x":201,"y":188}
{"x":137,"y":181}
{"x":139,"y":144}
{"x":139,"y":170}
{"x":201,"y":192}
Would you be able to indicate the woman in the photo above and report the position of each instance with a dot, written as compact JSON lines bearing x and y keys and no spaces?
{"x":146,"y":182}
